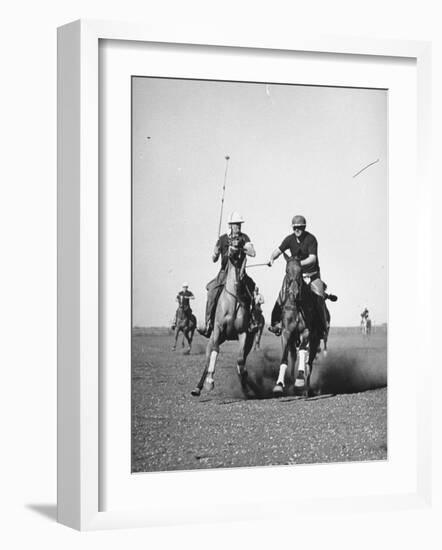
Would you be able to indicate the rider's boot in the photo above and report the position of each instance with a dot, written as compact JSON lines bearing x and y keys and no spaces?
{"x":322,"y":316}
{"x":275,"y":323}
{"x":276,"y":329}
{"x":206,"y":330}
{"x":212,"y":297}
{"x":331,"y":297}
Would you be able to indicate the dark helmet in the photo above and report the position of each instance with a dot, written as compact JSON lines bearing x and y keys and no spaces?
{"x":299,"y":221}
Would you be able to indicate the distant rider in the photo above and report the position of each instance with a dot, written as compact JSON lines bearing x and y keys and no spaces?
{"x":303,"y":244}
{"x":364,"y":316}
{"x":183,"y":298}
{"x":258,"y":299}
{"x":233,"y":240}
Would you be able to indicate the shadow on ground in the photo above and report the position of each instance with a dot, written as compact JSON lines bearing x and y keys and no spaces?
{"x":48,"y":511}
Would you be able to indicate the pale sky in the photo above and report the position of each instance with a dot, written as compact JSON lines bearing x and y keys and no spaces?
{"x":293,"y":150}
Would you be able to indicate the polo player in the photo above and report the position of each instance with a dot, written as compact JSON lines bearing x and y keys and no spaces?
{"x":258,"y":299}
{"x":303,"y":245}
{"x":183,"y":298}
{"x":234,"y":240}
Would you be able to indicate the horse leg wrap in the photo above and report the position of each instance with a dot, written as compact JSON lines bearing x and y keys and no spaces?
{"x":209,"y":383}
{"x":281,"y":376}
{"x":302,"y":359}
{"x":212,"y":361}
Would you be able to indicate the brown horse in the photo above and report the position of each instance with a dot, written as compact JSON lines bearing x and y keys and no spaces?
{"x":186,"y":324}
{"x":232,"y":317}
{"x":299,"y":335}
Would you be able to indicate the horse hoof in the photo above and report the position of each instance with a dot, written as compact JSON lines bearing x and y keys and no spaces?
{"x":196,"y":392}
{"x":278,"y":389}
{"x":300,"y":381}
{"x":209,"y":384}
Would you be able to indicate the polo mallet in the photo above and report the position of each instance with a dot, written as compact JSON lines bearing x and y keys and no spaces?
{"x":268,"y":264}
{"x":222,"y":198}
{"x":197,"y":391}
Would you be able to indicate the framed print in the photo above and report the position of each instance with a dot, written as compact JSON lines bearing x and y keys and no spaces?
{"x":307,"y":138}
{"x":279,"y":178}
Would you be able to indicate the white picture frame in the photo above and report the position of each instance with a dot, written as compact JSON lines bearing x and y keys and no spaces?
{"x":79,"y":266}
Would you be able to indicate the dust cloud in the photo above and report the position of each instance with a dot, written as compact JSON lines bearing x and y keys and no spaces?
{"x":350,"y":371}
{"x":341,"y":371}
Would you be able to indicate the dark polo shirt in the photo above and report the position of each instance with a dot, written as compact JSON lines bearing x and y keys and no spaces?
{"x":184,"y":298}
{"x":306,"y":245}
{"x":223,"y":246}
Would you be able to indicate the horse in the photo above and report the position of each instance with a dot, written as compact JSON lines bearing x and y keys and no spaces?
{"x":186,"y":324}
{"x":366,"y":326}
{"x":300,"y":333}
{"x":260,"y":321}
{"x":231,"y":322}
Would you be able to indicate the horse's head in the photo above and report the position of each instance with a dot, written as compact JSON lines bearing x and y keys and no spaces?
{"x":183,"y":312}
{"x":293,"y":273}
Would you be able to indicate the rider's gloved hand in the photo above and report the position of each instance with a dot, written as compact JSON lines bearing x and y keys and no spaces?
{"x":248,"y":249}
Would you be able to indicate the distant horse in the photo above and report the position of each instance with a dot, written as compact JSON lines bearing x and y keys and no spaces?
{"x":366,"y":326}
{"x":260,"y":321}
{"x":298,"y":314}
{"x":232,"y":317}
{"x":186,"y":324}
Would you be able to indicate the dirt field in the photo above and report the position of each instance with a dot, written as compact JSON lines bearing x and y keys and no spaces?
{"x":171,"y":430}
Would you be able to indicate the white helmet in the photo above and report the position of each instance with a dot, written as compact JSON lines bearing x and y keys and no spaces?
{"x":185,"y":285}
{"x":235,"y":217}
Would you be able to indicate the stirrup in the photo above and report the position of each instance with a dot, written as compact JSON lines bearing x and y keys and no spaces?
{"x":276,"y":330}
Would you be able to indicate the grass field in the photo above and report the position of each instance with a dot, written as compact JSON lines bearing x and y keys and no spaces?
{"x":171,"y":430}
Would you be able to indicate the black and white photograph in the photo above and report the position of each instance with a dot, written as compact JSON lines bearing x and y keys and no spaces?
{"x":259,"y":274}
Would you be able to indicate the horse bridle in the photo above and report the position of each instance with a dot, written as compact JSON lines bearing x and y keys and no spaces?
{"x":240,"y":270}
{"x":295,"y":294}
